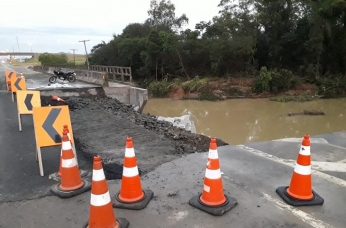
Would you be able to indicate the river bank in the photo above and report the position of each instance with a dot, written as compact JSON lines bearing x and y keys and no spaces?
{"x":216,"y":89}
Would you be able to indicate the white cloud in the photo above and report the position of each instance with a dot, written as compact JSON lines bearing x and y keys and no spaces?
{"x":42,"y":22}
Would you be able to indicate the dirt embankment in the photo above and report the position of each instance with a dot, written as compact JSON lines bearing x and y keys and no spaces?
{"x":101,"y":125}
{"x":234,"y":88}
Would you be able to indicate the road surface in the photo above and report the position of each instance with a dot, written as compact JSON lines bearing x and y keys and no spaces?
{"x":251,"y":173}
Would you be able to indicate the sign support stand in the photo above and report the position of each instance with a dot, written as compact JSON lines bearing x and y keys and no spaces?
{"x":19,"y":122}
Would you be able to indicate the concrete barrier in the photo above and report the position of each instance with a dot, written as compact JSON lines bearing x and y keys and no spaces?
{"x":129,"y":95}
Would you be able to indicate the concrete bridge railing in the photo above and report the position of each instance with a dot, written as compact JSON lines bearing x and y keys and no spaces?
{"x":114,"y":73}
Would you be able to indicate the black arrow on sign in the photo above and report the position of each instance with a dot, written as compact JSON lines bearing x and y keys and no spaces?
{"x":27,"y":101}
{"x":16,"y":84}
{"x":48,"y":125}
{"x":10,"y":75}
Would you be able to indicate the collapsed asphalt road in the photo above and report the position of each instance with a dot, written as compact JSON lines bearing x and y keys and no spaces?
{"x":101,"y":125}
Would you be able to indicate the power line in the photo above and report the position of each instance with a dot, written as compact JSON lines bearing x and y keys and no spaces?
{"x":74,"y":59}
{"x":86,"y":53}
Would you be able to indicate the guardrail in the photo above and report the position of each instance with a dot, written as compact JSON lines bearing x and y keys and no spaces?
{"x":115,"y":73}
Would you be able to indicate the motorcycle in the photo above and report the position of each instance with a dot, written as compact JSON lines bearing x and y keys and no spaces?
{"x":69,"y":76}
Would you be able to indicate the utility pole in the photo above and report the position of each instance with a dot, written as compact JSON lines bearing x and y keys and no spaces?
{"x":86,"y":53}
{"x":74,"y":59}
{"x":18,"y":49}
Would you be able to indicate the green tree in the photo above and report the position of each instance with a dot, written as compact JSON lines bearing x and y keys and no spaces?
{"x":53,"y":59}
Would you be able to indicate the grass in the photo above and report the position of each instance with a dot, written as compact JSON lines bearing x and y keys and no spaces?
{"x":80,"y":60}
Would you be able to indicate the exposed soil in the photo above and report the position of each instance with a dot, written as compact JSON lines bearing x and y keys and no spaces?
{"x":238,"y":88}
{"x":100,"y":126}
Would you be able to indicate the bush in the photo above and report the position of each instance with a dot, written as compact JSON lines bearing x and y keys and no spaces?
{"x":159,"y":89}
{"x":332,"y":87}
{"x":194,"y":85}
{"x":207,"y":94}
{"x":283,"y":80}
{"x":262,"y":82}
{"x":274,"y":81}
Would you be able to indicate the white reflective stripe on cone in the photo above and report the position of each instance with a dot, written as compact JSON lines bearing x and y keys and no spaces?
{"x":66,"y":146}
{"x":68,"y":135}
{"x":212,"y":174}
{"x":304,"y":150}
{"x":213,"y":154}
{"x":302,"y":170}
{"x":98,"y":175}
{"x":68,"y":163}
{"x":100,"y":200}
{"x":130,"y":172}
{"x":129,"y":152}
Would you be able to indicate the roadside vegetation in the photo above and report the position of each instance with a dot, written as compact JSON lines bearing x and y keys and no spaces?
{"x":55,"y":59}
{"x":280,"y":46}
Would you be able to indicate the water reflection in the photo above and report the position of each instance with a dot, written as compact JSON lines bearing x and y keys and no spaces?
{"x":247,"y":120}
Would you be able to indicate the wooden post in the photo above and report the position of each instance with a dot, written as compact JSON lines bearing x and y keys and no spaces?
{"x":19,"y":122}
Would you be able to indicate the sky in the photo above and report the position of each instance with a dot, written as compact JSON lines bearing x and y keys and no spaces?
{"x":58,"y":25}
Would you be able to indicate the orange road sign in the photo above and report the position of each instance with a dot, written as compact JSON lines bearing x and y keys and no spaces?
{"x":26,"y":100}
{"x":9,"y":75}
{"x":49,"y":124}
{"x":17,"y":83}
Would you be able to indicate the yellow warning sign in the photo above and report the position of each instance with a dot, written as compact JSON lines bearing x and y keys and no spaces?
{"x":9,"y":75}
{"x":49,"y":124}
{"x":17,"y":83}
{"x":27,"y":100}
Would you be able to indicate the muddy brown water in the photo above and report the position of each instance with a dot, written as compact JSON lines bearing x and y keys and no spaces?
{"x":239,"y":121}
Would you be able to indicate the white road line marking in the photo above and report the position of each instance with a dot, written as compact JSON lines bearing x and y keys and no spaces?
{"x":325,"y":166}
{"x":327,"y":177}
{"x":312,"y":140}
{"x":305,"y":217}
{"x":5,"y":66}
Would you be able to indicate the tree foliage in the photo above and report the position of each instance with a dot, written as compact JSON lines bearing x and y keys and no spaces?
{"x":288,"y":37}
{"x":53,"y":59}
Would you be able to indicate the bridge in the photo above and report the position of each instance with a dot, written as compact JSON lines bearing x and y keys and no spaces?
{"x":17,"y":54}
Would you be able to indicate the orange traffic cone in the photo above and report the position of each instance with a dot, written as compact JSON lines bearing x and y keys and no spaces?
{"x":213,"y":200}
{"x":300,"y":192}
{"x":101,"y":210}
{"x":71,"y":181}
{"x":55,"y":98}
{"x":57,"y":175}
{"x":131,"y":195}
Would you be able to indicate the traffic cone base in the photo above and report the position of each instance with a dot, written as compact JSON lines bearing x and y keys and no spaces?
{"x":66,"y":193}
{"x":131,"y":194}
{"x":316,"y":199}
{"x":299,"y":192}
{"x":213,"y":210}
{"x":55,"y":176}
{"x":71,"y":182}
{"x":137,"y":205}
{"x":213,"y":200}
{"x":122,"y":223}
